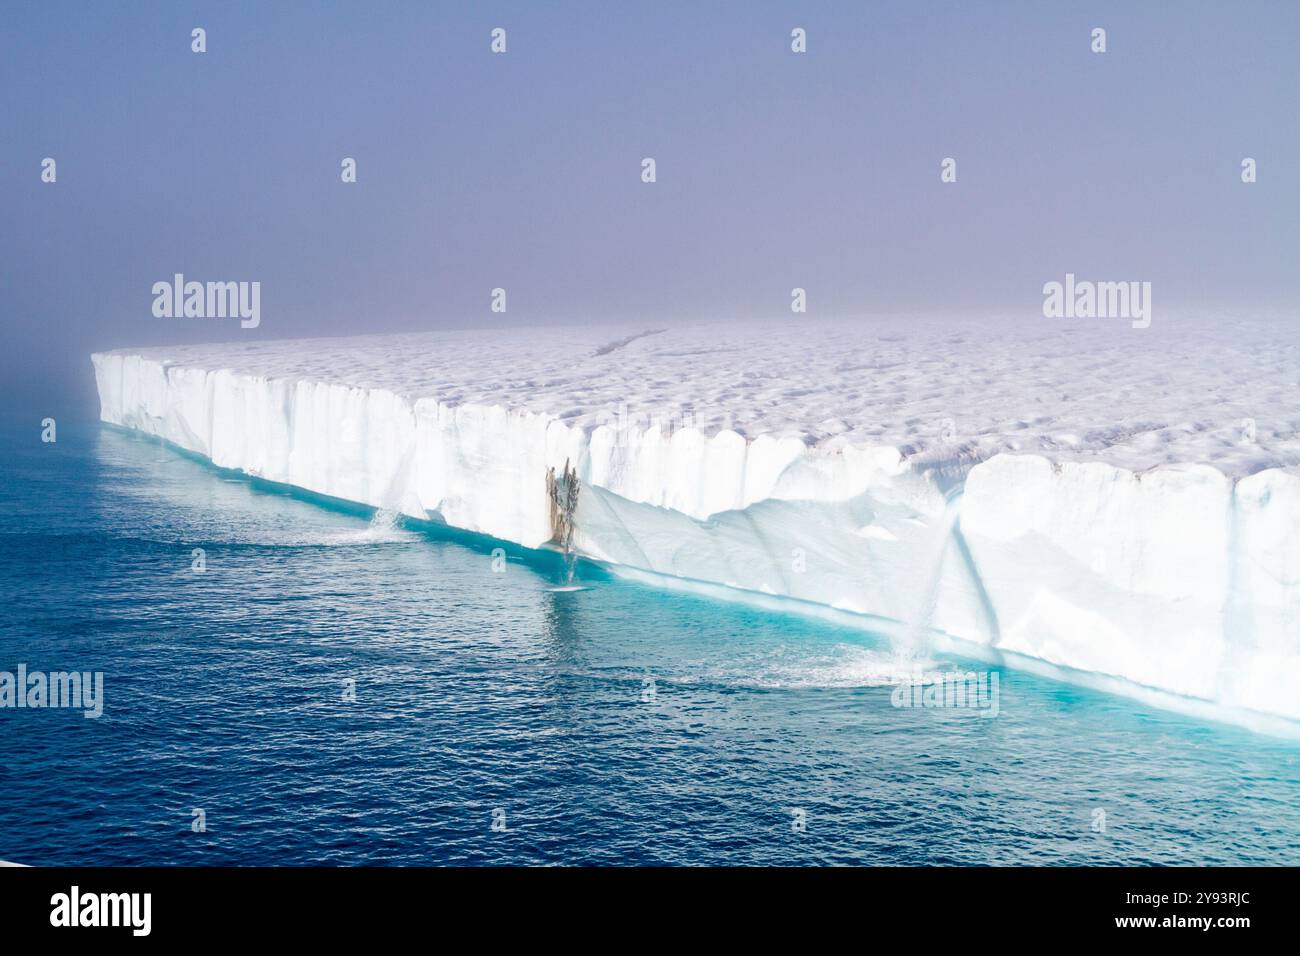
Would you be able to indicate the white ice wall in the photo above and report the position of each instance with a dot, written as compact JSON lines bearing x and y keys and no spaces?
{"x":1175,"y":578}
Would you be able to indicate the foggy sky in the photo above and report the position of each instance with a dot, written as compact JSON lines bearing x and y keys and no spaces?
{"x":522,"y":170}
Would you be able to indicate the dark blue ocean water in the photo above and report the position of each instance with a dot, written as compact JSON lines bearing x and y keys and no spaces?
{"x":481,"y":693}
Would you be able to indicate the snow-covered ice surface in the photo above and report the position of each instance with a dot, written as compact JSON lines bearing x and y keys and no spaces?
{"x":1100,"y":498}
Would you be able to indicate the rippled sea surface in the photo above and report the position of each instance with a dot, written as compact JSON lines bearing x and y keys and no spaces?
{"x":618,"y":724}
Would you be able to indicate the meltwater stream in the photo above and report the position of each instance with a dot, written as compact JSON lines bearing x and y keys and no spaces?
{"x":337,"y":689}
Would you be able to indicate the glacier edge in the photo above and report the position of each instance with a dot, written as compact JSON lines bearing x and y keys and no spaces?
{"x":1179,"y":578}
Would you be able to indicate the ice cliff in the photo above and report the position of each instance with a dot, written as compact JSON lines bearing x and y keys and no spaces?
{"x":1108,"y":500}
